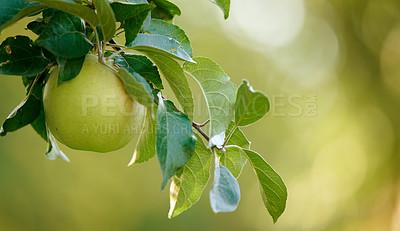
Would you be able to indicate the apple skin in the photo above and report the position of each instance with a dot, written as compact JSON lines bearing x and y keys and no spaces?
{"x":91,"y":112}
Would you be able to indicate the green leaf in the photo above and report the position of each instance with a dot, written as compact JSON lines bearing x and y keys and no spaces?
{"x":106,"y":17}
{"x":165,"y":10}
{"x":69,"y":68}
{"x":142,"y":65}
{"x":250,"y":105}
{"x":18,"y":56}
{"x":220,"y":95}
{"x":225,"y":192}
{"x":137,"y":87}
{"x":39,"y":124}
{"x":53,"y":151}
{"x":237,"y":138}
{"x":273,"y":189}
{"x":12,"y":11}
{"x":26,"y":112}
{"x":65,"y":36}
{"x":146,"y":145}
{"x":71,"y":7}
{"x":161,"y":27}
{"x":224,"y":5}
{"x":37,"y":26}
{"x":189,"y":182}
{"x":175,"y":139}
{"x":176,"y":79}
{"x":132,"y":17}
{"x":160,"y":44}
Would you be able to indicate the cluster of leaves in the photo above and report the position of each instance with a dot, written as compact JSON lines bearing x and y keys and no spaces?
{"x":68,"y":30}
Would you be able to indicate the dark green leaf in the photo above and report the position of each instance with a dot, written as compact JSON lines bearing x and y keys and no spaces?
{"x":165,"y":10}
{"x":250,"y":105}
{"x":64,"y":36}
{"x":176,"y":79}
{"x":273,"y":189}
{"x":71,"y":7}
{"x":18,"y":56}
{"x":132,"y":17}
{"x":161,"y":27}
{"x":146,"y":145}
{"x":39,"y":124}
{"x":225,"y":192}
{"x":106,"y":18}
{"x":26,"y":112}
{"x":220,"y":95}
{"x":160,"y":44}
{"x":224,"y":5}
{"x":12,"y":11}
{"x":137,"y":87}
{"x":53,"y":151}
{"x":189,"y":182}
{"x":37,"y":26}
{"x":175,"y":139}
{"x":69,"y":68}
{"x":142,"y":65}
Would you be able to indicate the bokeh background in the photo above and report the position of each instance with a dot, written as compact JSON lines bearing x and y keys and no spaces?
{"x":332,"y":72}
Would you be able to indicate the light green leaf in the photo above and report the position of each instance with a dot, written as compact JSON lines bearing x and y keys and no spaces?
{"x":250,"y":105}
{"x":53,"y":151}
{"x":69,"y":68}
{"x":176,"y":79}
{"x":225,"y":192}
{"x":106,"y":17}
{"x":18,"y":56}
{"x":71,"y":7}
{"x":175,"y":139}
{"x":64,"y":36}
{"x":137,"y":87}
{"x":224,"y":5}
{"x":165,"y":10}
{"x":161,"y":27}
{"x":220,"y":95}
{"x":12,"y":11}
{"x":189,"y":182}
{"x":160,"y":44}
{"x":132,"y":16}
{"x":142,"y":65}
{"x":146,"y":145}
{"x":273,"y":189}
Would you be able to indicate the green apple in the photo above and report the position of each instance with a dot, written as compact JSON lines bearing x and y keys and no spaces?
{"x":93,"y":111}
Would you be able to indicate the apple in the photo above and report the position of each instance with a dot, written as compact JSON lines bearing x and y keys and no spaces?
{"x":92,"y":111}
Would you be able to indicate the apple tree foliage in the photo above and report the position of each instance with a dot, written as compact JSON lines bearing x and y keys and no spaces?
{"x":155,"y":50}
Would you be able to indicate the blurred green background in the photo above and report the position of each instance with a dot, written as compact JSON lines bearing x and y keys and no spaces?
{"x":332,"y":72}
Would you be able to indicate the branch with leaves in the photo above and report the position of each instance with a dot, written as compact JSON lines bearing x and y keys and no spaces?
{"x":155,"y":51}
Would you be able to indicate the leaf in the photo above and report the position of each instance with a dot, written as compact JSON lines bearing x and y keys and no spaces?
{"x":224,"y":5}
{"x":146,"y":145}
{"x":273,"y":189}
{"x":250,"y":105}
{"x":161,"y":27}
{"x":189,"y":182}
{"x":132,"y":17}
{"x":106,"y":17}
{"x":225,"y":192}
{"x":220,"y":95}
{"x":18,"y":56}
{"x":176,"y":79}
{"x":26,"y":112}
{"x":12,"y":11}
{"x":142,"y":65}
{"x":69,"y":68}
{"x":165,"y":10}
{"x":53,"y":151}
{"x":64,"y":36}
{"x":160,"y":44}
{"x":237,"y":138}
{"x":137,"y":87}
{"x":71,"y":7}
{"x":37,"y":26}
{"x":175,"y":139}
{"x":39,"y":124}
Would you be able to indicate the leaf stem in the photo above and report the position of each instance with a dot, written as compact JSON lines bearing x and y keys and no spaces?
{"x":99,"y":48}
{"x":229,"y":135}
{"x":115,"y":54}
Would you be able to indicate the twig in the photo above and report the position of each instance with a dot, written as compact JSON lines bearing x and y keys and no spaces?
{"x":198,"y":128}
